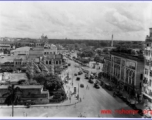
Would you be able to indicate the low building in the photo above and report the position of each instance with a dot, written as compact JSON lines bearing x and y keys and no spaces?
{"x":4,"y":47}
{"x":21,"y":51}
{"x":33,"y":93}
{"x":12,"y":78}
{"x":50,"y":49}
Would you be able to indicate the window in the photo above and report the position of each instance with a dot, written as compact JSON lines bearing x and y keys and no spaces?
{"x":56,"y":62}
{"x":141,"y":76}
{"x":146,"y":71}
{"x":151,"y":73}
{"x":46,"y":62}
{"x":147,"y":45}
{"x":150,"y":81}
{"x":49,"y":62}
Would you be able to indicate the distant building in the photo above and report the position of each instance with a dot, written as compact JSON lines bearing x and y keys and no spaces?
{"x":50,"y":49}
{"x":5,"y":47}
{"x":21,"y":51}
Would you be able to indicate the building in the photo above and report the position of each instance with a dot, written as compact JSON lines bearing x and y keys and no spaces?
{"x":33,"y":93}
{"x":12,"y":78}
{"x":126,"y":71}
{"x":147,"y":81}
{"x":21,"y":51}
{"x":50,"y":49}
{"x":4,"y":47}
{"x":54,"y":62}
{"x":61,"y":49}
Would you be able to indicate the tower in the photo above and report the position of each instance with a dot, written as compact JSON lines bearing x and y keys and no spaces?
{"x":112,"y":41}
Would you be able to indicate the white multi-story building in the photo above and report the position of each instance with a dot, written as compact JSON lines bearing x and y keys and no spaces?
{"x":147,"y":81}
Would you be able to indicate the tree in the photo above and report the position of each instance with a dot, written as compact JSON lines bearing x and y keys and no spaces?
{"x":97,"y":59}
{"x":53,"y":83}
{"x":105,"y":50}
{"x":13,"y":96}
{"x":99,"y":52}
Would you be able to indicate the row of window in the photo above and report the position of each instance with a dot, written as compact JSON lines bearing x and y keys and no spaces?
{"x":148,"y":52}
{"x":147,"y":82}
{"x":48,"y":62}
{"x":146,"y":72}
{"x":47,"y":53}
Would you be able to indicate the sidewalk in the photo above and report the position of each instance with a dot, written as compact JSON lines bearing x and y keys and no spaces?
{"x":65,"y":103}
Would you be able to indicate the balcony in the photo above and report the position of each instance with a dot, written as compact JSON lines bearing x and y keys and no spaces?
{"x":147,"y":92}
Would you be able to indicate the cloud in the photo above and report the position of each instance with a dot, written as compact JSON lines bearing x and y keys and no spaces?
{"x":96,"y":20}
{"x":123,"y":22}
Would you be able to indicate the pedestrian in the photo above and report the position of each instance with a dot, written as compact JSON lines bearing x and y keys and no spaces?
{"x":80,"y":99}
{"x":87,"y":87}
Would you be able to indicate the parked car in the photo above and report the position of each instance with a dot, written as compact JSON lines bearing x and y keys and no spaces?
{"x":75,"y":74}
{"x":80,"y":73}
{"x":108,"y":87}
{"x":96,"y":85}
{"x":91,"y":81}
{"x":78,"y":78}
{"x":81,"y":85}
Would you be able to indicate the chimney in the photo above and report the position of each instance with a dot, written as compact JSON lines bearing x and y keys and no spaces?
{"x":150,"y":30}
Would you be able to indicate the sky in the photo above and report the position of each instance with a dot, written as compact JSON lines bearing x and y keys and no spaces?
{"x":76,"y":19}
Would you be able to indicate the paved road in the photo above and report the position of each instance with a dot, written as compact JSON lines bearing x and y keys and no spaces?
{"x":94,"y":101}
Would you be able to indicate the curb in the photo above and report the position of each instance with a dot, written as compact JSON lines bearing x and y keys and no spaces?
{"x":44,"y":105}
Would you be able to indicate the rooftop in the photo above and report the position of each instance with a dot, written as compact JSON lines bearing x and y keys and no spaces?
{"x":7,"y":59}
{"x":22,"y":49}
{"x":12,"y":77}
{"x":128,"y":56}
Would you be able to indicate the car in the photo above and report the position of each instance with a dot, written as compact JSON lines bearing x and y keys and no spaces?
{"x":81,"y":85}
{"x":78,"y":78}
{"x":79,"y":73}
{"x":91,"y":81}
{"x":75,"y":74}
{"x":96,"y":85}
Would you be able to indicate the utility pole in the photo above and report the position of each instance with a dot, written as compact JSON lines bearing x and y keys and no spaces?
{"x":78,"y":90}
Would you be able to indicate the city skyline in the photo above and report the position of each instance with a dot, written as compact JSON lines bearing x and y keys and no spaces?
{"x":76,"y":20}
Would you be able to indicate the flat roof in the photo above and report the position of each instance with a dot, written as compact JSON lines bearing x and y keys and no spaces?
{"x":128,"y":56}
{"x":26,"y":48}
{"x":7,"y":59}
{"x":13,"y":77}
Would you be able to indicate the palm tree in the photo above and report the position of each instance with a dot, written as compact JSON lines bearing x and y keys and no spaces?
{"x":12,"y":96}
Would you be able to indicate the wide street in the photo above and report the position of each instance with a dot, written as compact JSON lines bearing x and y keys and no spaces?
{"x":92,"y":102}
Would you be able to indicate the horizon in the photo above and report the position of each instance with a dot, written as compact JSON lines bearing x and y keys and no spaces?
{"x":73,"y":39}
